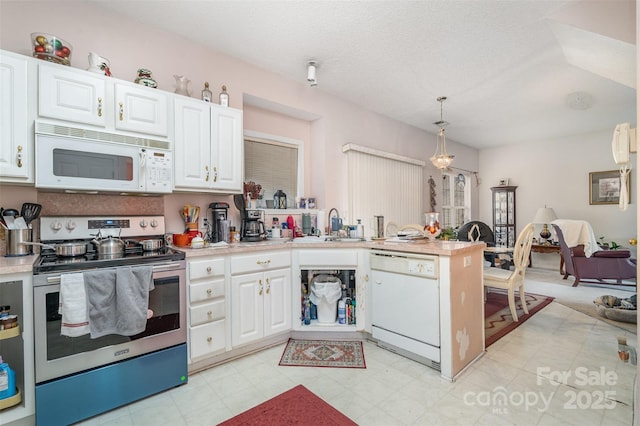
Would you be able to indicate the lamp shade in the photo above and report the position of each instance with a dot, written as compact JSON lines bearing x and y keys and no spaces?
{"x":544,"y":215}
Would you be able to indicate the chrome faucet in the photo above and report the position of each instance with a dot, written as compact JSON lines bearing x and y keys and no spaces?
{"x":329,"y":220}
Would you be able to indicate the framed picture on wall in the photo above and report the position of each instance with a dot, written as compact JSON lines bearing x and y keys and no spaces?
{"x":605,"y":187}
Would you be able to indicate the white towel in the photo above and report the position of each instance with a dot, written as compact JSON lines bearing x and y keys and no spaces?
{"x":73,"y":305}
{"x":578,"y":232}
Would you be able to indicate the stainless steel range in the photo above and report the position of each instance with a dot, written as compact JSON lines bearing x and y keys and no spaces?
{"x":77,"y":375}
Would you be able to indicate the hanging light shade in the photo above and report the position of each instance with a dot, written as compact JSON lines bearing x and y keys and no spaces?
{"x":441,"y":159}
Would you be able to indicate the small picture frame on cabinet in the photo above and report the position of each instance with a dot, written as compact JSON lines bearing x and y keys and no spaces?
{"x":504,"y":182}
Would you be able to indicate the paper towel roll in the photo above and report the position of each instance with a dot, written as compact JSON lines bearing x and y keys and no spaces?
{"x":320,"y":220}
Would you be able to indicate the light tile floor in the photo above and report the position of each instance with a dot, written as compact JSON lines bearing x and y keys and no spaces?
{"x":558,"y":368}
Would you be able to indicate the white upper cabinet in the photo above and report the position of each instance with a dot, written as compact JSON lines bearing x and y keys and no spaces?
{"x":95,"y":100}
{"x":192,"y":153}
{"x":227,"y":148}
{"x":71,"y":95}
{"x":141,"y":109}
{"x":16,"y":138}
{"x":208,"y":147}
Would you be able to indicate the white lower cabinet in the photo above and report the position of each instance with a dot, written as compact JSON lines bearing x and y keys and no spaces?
{"x":207,"y":307}
{"x":260,"y":296}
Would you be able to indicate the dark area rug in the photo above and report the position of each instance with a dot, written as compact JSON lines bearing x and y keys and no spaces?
{"x":323,"y":353}
{"x":297,"y":406}
{"x":498,"y":321}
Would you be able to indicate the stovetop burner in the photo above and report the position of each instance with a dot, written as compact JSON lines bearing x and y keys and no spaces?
{"x":81,"y":229}
{"x":50,"y":262}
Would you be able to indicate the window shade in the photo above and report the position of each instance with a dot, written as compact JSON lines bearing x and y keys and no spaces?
{"x":273,"y":165}
{"x":385,"y":184}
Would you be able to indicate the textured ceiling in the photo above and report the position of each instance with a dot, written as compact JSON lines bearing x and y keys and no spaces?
{"x":506,"y":67}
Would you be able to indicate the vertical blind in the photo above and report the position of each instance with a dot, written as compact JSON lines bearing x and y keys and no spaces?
{"x":273,"y":165}
{"x":384,"y":184}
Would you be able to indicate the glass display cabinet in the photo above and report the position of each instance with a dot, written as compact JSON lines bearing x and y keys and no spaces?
{"x":504,"y":215}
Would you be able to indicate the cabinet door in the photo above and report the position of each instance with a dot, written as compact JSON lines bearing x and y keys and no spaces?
{"x":227,"y":147}
{"x":247,"y":308}
{"x":71,"y":95}
{"x":141,"y":109}
{"x":16,"y":153}
{"x":277,"y":301}
{"x":192,"y":150}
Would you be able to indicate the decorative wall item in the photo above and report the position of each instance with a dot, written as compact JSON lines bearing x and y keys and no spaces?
{"x":432,"y":194}
{"x":605,"y":187}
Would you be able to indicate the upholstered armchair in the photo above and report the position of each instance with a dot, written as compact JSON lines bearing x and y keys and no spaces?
{"x":586,"y":263}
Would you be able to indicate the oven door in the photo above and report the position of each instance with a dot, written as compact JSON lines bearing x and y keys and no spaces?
{"x":57,"y":355}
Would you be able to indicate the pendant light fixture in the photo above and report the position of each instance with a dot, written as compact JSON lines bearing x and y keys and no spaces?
{"x":441,"y":159}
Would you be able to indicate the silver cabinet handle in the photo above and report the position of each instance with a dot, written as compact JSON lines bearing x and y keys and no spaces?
{"x":209,"y":339}
{"x":263,"y":262}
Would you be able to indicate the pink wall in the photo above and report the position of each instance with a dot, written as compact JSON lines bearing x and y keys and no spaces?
{"x":129,"y":46}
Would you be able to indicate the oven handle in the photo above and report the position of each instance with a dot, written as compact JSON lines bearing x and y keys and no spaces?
{"x":55,"y":279}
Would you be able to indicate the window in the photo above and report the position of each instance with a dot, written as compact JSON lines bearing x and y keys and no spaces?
{"x":274,"y":163}
{"x":381,"y":183}
{"x":456,"y":200}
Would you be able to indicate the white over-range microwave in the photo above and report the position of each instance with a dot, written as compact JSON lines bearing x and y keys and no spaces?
{"x":78,"y":160}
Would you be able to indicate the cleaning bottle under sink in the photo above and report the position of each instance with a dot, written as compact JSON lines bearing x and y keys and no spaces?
{"x":7,"y":380}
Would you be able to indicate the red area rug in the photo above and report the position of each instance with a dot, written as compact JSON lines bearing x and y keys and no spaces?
{"x":297,"y":406}
{"x":498,"y":321}
{"x":323,"y":353}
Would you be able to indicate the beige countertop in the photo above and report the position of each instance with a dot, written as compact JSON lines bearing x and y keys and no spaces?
{"x":442,"y":248}
{"x":21,"y":264}
{"x":17,"y":264}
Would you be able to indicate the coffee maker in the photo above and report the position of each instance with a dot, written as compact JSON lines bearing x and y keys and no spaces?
{"x":252,"y":228}
{"x":218,"y":214}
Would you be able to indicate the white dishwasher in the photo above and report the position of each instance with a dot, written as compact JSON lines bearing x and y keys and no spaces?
{"x":405,"y":311}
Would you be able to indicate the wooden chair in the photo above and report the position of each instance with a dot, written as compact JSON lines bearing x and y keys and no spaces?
{"x":510,"y":280}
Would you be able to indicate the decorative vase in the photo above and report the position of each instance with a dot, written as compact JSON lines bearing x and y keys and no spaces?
{"x":144,"y":78}
{"x":432,"y":228}
{"x":182,"y":85}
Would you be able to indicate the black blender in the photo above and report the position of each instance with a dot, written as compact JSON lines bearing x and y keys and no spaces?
{"x":218,"y":215}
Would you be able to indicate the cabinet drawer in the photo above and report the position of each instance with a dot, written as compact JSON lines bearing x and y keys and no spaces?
{"x":207,"y":313}
{"x":206,"y":339}
{"x":206,"y":268}
{"x":209,"y":290}
{"x":260,"y":262}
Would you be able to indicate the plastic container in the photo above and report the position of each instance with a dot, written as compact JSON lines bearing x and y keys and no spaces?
{"x":325,"y":293}
{"x":7,"y":381}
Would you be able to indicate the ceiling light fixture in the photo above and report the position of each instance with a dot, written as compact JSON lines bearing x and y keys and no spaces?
{"x":579,"y":100}
{"x":441,"y":160}
{"x":311,"y":73}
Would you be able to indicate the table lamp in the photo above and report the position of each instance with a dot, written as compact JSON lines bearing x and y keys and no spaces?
{"x":544,"y":216}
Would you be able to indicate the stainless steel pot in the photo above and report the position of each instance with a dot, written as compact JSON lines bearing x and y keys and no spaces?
{"x":151,"y":245}
{"x":64,"y":249}
{"x":109,"y":246}
{"x":18,"y":242}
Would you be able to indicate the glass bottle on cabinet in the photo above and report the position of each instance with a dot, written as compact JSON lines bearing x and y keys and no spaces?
{"x":504,"y":215}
